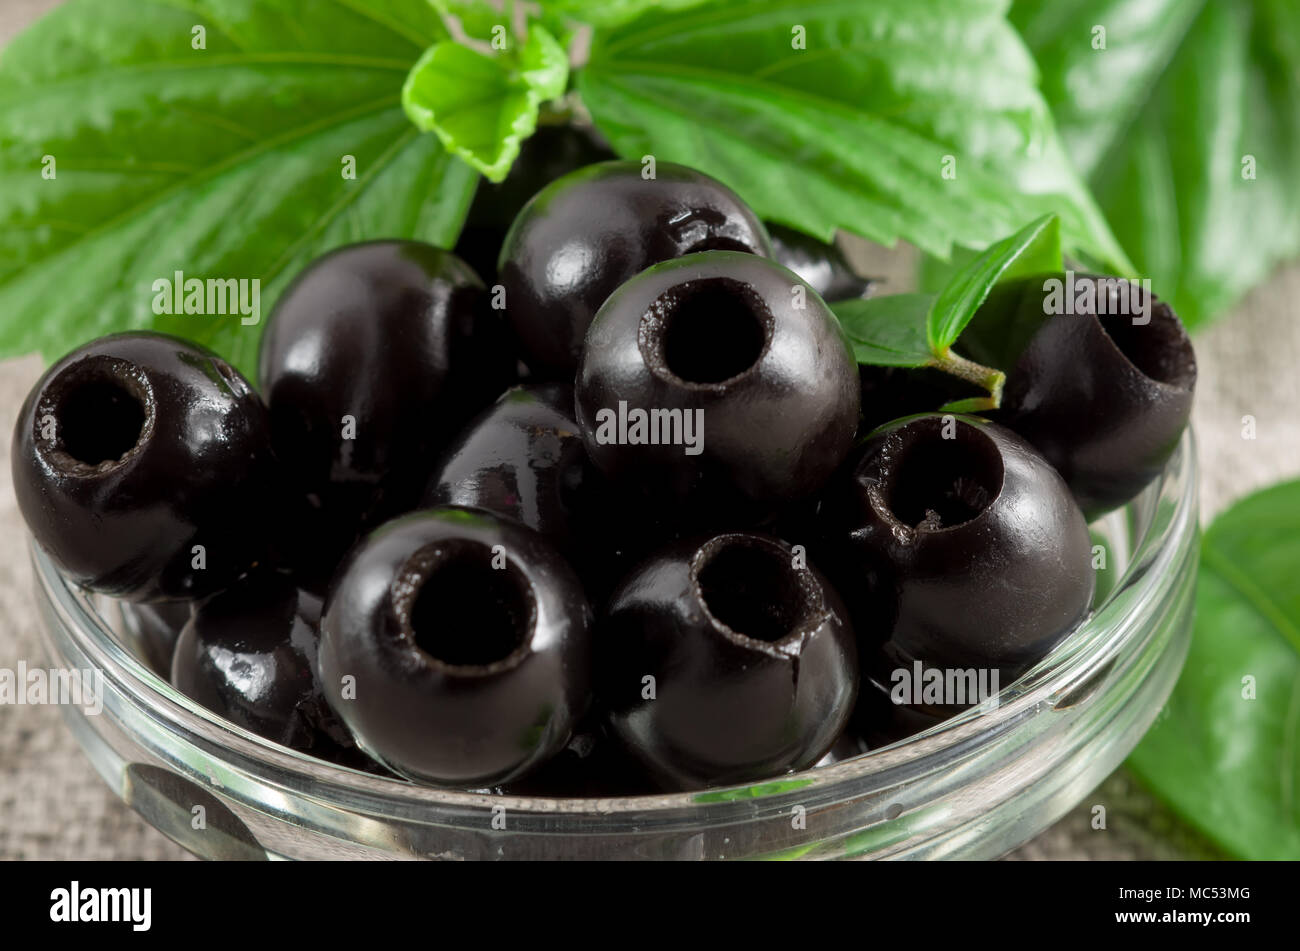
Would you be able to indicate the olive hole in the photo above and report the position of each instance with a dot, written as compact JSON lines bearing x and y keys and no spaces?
{"x":756,"y":591}
{"x":100,"y":421}
{"x":940,"y":483}
{"x":1159,"y":348}
{"x":711,"y":330}
{"x":470,"y":614}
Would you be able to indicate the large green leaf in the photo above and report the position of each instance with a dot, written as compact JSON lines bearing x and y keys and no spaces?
{"x":606,"y":13}
{"x":1163,"y":120}
{"x":857,"y":130}
{"x":223,"y":162}
{"x":1225,"y":758}
{"x":478,"y":19}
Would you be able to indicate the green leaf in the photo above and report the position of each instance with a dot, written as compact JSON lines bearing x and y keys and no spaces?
{"x":919,"y":330}
{"x":1031,"y":250}
{"x":607,"y":13}
{"x":915,"y":119}
{"x":1164,"y":120}
{"x":1009,"y":317}
{"x":220,"y":162}
{"x":478,"y":18}
{"x":888,"y":331}
{"x":482,"y":107}
{"x":544,"y":66}
{"x":1229,"y":764}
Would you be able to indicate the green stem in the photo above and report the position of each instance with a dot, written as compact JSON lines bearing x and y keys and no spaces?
{"x":557,"y":112}
{"x":984,"y":377}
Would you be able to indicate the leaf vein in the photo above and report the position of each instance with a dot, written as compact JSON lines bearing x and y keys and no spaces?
{"x":420,"y":42}
{"x":348,"y":200}
{"x":1251,"y":593}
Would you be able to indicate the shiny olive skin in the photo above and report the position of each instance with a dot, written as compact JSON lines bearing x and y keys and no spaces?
{"x":753,"y":661}
{"x":390,"y":343}
{"x":547,"y":154}
{"x":154,"y":629}
{"x":466,"y":674}
{"x":957,"y":545}
{"x":585,"y":234}
{"x":822,"y":265}
{"x":249,"y":653}
{"x":523,"y":458}
{"x":134,"y":449}
{"x":720,"y":337}
{"x":1105,"y":400}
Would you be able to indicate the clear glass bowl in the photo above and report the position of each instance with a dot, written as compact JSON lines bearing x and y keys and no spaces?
{"x":975,"y":786}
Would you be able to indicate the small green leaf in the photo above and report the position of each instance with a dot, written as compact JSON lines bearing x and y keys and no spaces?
{"x":1225,"y":752}
{"x":933,"y":274}
{"x":1031,"y":250}
{"x":919,"y":330}
{"x":1006,"y":321}
{"x":544,"y":65}
{"x":888,"y":331}
{"x":482,"y":107}
{"x":891,"y":332}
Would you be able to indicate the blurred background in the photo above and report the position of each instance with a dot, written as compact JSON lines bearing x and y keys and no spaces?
{"x":53,"y":805}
